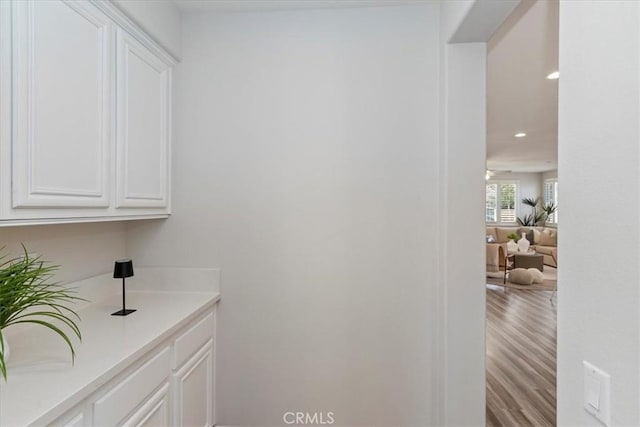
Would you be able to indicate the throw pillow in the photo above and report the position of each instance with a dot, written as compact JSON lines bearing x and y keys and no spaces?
{"x":536,"y":274}
{"x":536,"y":236}
{"x":502,"y":233}
{"x":520,"y":276}
{"x":548,"y":237}
{"x":491,"y":238}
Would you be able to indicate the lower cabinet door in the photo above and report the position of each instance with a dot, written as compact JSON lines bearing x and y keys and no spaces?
{"x":77,"y":421}
{"x":133,"y":391}
{"x":193,"y":390}
{"x":73,"y":418}
{"x":154,"y":412}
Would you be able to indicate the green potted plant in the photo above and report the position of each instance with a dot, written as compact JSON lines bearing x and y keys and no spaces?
{"x":513,"y":236}
{"x":549,"y":209}
{"x":27,"y":296}
{"x":538,"y":215}
{"x":511,"y":244}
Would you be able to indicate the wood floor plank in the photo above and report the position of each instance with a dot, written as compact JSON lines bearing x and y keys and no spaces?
{"x":521,"y":358}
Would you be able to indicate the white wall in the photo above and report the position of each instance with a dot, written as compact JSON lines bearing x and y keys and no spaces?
{"x":461,"y":199}
{"x":549,"y":175}
{"x":159,"y":18}
{"x":463,"y":203}
{"x":306,"y":167}
{"x":529,"y":185}
{"x":82,"y":250}
{"x":599,"y":296}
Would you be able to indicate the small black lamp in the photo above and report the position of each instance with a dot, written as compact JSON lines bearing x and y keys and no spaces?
{"x":123,"y":268}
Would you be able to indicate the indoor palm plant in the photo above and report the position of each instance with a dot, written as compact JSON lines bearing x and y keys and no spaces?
{"x":549,"y":208}
{"x":539,"y":212}
{"x":28,"y":296}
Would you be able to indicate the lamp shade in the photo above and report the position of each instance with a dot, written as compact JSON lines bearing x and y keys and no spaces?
{"x":123,"y":268}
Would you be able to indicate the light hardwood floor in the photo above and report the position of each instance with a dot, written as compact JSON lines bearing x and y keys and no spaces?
{"x":521,"y":358}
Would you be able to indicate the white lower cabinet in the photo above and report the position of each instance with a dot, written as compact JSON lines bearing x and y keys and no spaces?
{"x":73,"y":418}
{"x":154,"y":413}
{"x":133,"y":389}
{"x":77,"y":421}
{"x":172,"y":385}
{"x":193,"y":390}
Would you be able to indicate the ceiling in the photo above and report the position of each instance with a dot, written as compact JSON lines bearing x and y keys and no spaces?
{"x":520,"y":54}
{"x":259,"y":5}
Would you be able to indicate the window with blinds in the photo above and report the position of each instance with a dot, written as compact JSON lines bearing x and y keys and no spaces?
{"x":551,"y":196}
{"x":501,"y":200}
{"x":507,"y":202}
{"x":492,"y":203}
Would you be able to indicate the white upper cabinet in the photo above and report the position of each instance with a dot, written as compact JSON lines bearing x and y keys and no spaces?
{"x":143,"y":127}
{"x":62,"y":85}
{"x":90,"y":134}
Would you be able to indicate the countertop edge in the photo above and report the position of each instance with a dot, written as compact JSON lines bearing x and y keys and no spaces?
{"x":112,"y":372}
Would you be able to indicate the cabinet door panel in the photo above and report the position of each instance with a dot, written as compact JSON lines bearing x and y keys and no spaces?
{"x":62,"y":82}
{"x":143,"y":126}
{"x":73,"y":418}
{"x":77,"y":421}
{"x":126,"y":395}
{"x":154,"y":412}
{"x":193,"y":339}
{"x":193,"y":388}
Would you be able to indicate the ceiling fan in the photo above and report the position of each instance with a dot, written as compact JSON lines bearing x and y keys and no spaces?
{"x":491,"y":173}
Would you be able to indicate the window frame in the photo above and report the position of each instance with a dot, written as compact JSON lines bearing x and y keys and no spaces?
{"x":500,"y":182}
{"x":553,"y":181}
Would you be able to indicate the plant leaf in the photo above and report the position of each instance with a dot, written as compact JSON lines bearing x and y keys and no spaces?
{"x":530,"y":201}
{"x":56,"y":330}
{"x":27,"y":295}
{"x":3,"y":366}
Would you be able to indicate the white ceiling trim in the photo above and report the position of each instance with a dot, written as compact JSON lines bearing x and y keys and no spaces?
{"x":226,"y":6}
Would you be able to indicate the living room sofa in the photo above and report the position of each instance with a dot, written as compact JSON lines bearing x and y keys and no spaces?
{"x":543,"y":240}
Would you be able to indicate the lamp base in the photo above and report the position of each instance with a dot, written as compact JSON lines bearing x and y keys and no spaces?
{"x":123,"y":312}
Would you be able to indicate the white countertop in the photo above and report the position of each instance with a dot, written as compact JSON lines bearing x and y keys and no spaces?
{"x":42,"y":384}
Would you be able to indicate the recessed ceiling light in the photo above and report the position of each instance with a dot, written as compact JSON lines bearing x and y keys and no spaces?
{"x":520,"y":135}
{"x":554,"y":76}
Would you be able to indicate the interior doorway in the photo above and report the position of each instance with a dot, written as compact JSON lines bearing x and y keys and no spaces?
{"x":521,"y":217}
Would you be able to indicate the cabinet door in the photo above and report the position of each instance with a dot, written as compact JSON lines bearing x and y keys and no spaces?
{"x":61,"y":106}
{"x":143,"y":126}
{"x":77,"y":421}
{"x":193,"y":388}
{"x":131,"y":391}
{"x":74,"y":418}
{"x":154,"y":412}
